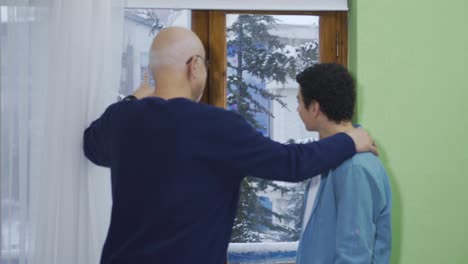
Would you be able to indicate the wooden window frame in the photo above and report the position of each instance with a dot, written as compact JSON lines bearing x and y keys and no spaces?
{"x":210,"y":26}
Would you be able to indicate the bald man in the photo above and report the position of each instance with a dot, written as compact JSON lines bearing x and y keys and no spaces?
{"x":177,"y":165}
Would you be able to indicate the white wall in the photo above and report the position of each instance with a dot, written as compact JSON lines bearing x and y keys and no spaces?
{"x":286,"y":123}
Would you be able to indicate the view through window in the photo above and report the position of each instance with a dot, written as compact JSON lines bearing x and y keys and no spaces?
{"x":265,"y":53}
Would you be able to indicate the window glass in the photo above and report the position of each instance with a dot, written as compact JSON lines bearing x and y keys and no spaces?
{"x":264,"y":54}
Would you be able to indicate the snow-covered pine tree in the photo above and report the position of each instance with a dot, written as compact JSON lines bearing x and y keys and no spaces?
{"x":260,"y":55}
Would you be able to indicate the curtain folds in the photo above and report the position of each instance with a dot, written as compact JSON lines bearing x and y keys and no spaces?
{"x":60,"y":68}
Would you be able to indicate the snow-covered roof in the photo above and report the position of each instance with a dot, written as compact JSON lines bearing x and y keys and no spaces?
{"x":302,"y":32}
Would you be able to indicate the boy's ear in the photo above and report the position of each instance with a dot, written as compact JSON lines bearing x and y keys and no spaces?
{"x":315,"y":108}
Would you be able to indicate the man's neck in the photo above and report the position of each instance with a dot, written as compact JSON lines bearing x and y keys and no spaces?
{"x":170,"y":85}
{"x":168,"y":94}
{"x":172,"y":89}
{"x":332,"y":128}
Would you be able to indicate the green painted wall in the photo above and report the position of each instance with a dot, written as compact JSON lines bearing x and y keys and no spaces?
{"x":410,"y":59}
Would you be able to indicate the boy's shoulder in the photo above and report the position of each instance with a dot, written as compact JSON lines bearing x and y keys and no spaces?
{"x":363,"y":162}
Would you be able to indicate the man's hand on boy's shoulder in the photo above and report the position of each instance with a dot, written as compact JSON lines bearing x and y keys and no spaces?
{"x":362,"y":141}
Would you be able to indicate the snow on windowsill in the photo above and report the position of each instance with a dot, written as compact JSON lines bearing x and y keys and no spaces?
{"x":262,"y":247}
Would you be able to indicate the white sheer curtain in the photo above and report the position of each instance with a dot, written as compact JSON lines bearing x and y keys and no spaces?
{"x":60,"y":67}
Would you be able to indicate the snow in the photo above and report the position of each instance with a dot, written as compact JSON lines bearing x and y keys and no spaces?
{"x":290,"y":51}
{"x":262,"y":247}
{"x":315,"y":137}
{"x":297,"y":20}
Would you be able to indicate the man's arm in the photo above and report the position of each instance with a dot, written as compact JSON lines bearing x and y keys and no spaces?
{"x":358,"y":197}
{"x":246,"y":150}
{"x":97,"y":137}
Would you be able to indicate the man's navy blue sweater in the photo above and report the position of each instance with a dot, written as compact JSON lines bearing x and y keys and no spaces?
{"x":176,"y":168}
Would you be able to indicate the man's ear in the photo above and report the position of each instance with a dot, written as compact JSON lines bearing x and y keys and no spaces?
{"x":193,"y":69}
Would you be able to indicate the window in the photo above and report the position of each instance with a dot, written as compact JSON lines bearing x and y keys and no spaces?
{"x":264,"y":54}
{"x":253,"y":73}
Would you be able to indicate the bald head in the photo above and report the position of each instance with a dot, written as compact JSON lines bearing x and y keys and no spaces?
{"x":177,"y":64}
{"x":173,"y":46}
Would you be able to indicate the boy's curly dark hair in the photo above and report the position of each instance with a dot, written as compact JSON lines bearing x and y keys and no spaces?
{"x":332,"y":86}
